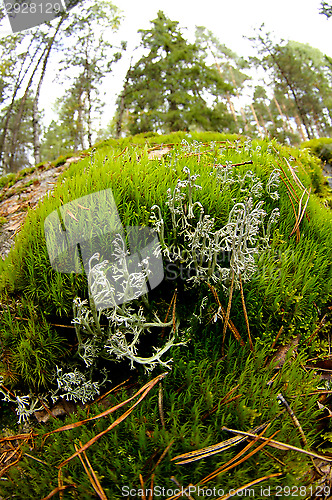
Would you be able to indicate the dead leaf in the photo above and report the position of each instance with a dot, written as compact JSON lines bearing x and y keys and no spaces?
{"x":60,"y":408}
{"x":281,"y":353}
{"x":159,"y":153}
{"x":13,"y":208}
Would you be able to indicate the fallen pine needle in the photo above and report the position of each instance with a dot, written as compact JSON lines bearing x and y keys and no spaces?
{"x":91,"y":475}
{"x":147,"y":388}
{"x":234,"y":462}
{"x":192,"y":456}
{"x":257,"y":481}
{"x":107,"y":412}
{"x":279,"y":445}
{"x":57,"y":490}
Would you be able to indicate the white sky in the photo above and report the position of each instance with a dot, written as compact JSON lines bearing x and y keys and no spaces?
{"x":229,"y":20}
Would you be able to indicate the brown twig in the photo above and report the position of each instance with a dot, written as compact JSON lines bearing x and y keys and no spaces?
{"x":245,"y":315}
{"x":168,"y":311}
{"x":321,"y":324}
{"x":277,"y":337}
{"x":160,"y":405}
{"x":294,"y":418}
{"x":227,"y":314}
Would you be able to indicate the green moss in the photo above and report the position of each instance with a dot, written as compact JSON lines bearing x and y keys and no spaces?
{"x":201,"y":395}
{"x":7,"y":180}
{"x":291,"y":287}
{"x":321,"y":147}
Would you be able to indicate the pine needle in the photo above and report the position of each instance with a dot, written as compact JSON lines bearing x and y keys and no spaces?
{"x":281,"y":446}
{"x":91,"y":475}
{"x":222,"y":311}
{"x":57,"y":490}
{"x":147,"y":388}
{"x":245,"y":314}
{"x":107,"y":412}
{"x":230,"y":465}
{"x":192,"y":456}
{"x":227,"y":313}
{"x":248,"y":485}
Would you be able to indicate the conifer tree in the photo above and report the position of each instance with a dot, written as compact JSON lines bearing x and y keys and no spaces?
{"x":300,"y":72}
{"x":168,"y":89}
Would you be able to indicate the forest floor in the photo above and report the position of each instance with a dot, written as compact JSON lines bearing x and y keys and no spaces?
{"x":25,"y":194}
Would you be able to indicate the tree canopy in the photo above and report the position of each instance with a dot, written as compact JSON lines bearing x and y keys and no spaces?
{"x":171,"y":87}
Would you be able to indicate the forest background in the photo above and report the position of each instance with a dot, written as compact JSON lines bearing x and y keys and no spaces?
{"x":174,"y":81}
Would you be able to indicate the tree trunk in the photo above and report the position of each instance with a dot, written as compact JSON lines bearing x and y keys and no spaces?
{"x":121,"y":108}
{"x":35,"y":121}
{"x":301,"y":113}
{"x":17,"y":85}
{"x":20,"y":112}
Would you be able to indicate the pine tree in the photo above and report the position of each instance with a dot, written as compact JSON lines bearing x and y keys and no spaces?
{"x":301,"y":73}
{"x":170,"y":87}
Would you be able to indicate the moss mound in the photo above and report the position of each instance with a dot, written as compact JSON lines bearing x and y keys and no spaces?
{"x":246,"y":244}
{"x":320,"y":147}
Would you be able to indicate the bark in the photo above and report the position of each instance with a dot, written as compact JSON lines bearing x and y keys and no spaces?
{"x":88,"y":95}
{"x":17,"y":85}
{"x":121,"y":110}
{"x":256,"y":120}
{"x":35,"y":121}
{"x":20,"y":111}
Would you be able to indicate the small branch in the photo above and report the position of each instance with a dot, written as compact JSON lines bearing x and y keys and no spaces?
{"x":245,"y":314}
{"x":294,"y":418}
{"x":160,"y":405}
{"x":227,"y":314}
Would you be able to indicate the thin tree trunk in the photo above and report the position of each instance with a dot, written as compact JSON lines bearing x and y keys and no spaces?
{"x":35,"y":121}
{"x":231,"y":107}
{"x":292,"y":90}
{"x":8,"y":114}
{"x":299,"y":127}
{"x":283,"y":114}
{"x":121,"y":109}
{"x":256,"y":120}
{"x":20,"y":111}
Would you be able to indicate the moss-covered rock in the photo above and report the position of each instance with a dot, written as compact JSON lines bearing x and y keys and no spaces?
{"x":277,"y":273}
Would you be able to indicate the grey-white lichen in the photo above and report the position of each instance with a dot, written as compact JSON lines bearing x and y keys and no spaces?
{"x":203,"y":248}
{"x":25,"y":405}
{"x":74,"y":386}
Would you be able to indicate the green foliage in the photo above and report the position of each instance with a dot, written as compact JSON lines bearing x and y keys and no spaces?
{"x":291,"y":281}
{"x":321,"y":147}
{"x":326,"y":9}
{"x":301,"y":76}
{"x":166,"y":89}
{"x":201,"y":395}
